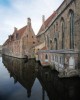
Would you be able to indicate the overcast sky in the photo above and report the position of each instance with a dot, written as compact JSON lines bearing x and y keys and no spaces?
{"x":14,"y":13}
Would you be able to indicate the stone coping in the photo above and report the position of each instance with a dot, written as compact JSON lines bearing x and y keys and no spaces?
{"x":63,"y":51}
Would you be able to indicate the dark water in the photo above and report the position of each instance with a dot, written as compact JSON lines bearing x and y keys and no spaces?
{"x":27,"y":80}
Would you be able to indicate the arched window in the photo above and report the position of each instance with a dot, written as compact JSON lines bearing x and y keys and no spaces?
{"x":62,"y":31}
{"x":56,"y":26}
{"x":51,"y":45}
{"x":48,"y":41}
{"x":46,"y":56}
{"x":56,"y":44}
{"x":71,"y":17}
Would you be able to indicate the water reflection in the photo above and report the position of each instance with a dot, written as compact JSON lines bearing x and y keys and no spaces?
{"x":25,"y":72}
{"x":59,"y":89}
{"x":0,"y":54}
{"x":22,"y":71}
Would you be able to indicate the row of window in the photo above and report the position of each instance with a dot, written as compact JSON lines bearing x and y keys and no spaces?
{"x":17,"y":36}
{"x":55,"y":58}
{"x":71,"y":31}
{"x":32,"y":36}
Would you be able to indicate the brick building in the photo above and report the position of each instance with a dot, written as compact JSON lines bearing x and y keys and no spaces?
{"x":62,"y":38}
{"x":61,"y":30}
{"x":42,"y":34}
{"x":20,"y":42}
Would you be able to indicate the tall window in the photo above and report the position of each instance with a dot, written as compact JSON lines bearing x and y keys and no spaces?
{"x":56,"y":44}
{"x":56,"y":26}
{"x":48,"y":42}
{"x":46,"y":56}
{"x":63,"y":29}
{"x":71,"y":14}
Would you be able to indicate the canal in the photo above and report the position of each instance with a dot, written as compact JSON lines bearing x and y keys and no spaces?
{"x":28,"y":80}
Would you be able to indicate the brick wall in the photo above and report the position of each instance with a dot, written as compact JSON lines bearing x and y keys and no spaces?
{"x":63,"y":12}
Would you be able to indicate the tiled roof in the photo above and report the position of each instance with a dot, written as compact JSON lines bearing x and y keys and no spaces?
{"x":44,"y":48}
{"x":46,"y":23}
{"x":20,"y":32}
{"x":6,"y":42}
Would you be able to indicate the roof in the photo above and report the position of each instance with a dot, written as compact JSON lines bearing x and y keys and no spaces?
{"x":20,"y":32}
{"x":6,"y":42}
{"x":44,"y":48}
{"x":37,"y":44}
{"x":46,"y":23}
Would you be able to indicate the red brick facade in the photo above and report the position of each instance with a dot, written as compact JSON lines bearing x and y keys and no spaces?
{"x":19,"y":43}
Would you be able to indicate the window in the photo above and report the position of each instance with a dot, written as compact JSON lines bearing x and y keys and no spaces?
{"x":27,"y":35}
{"x":56,"y":26}
{"x":48,"y":41}
{"x":33,"y":42}
{"x":56,"y":45}
{"x":71,"y":15}
{"x":46,"y":56}
{"x":62,"y":31}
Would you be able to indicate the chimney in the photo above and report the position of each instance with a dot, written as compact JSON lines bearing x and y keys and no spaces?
{"x":15,"y":29}
{"x":43,"y":19}
{"x":9,"y":37}
{"x":15,"y":32}
{"x":29,"y":22}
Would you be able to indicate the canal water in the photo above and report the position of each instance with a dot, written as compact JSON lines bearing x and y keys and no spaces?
{"x":28,"y":80}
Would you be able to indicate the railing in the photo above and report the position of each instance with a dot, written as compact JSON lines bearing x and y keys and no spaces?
{"x":59,"y":59}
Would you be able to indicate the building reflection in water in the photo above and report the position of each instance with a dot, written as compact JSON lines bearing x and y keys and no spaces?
{"x":22,"y":71}
{"x":57,"y":89}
